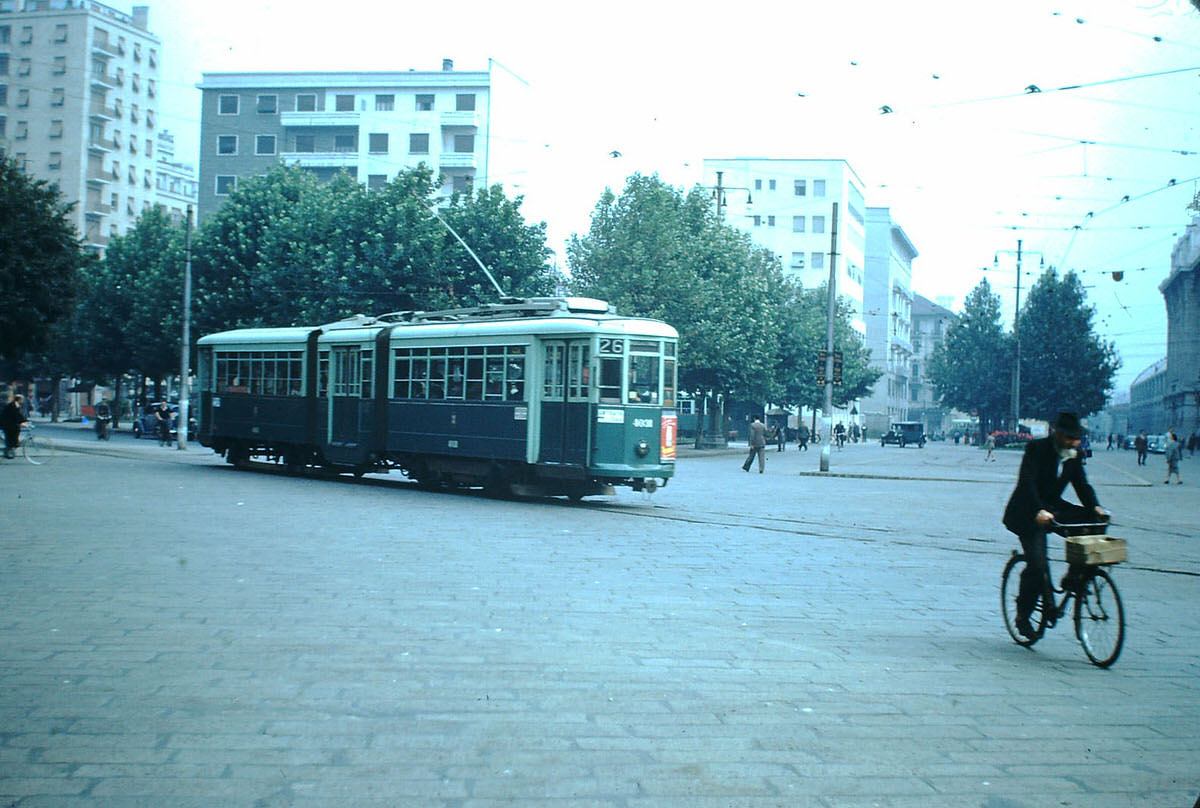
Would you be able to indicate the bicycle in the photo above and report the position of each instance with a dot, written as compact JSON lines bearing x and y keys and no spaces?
{"x":1099,"y":615}
{"x":35,"y":448}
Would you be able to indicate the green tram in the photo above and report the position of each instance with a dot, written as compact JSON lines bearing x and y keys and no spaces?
{"x":543,"y":396}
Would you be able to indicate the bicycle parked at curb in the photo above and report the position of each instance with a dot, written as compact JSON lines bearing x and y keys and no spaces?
{"x":36,"y":448}
{"x":1098,"y":613}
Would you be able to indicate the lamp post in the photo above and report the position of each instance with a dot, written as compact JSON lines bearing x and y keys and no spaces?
{"x":181,"y":428}
{"x":1016,"y":384}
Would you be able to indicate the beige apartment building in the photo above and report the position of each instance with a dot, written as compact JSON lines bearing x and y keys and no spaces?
{"x":79,"y":88}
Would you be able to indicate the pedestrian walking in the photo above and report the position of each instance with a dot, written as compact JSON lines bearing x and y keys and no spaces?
{"x":990,"y":445}
{"x":758,"y":445}
{"x":802,"y":438}
{"x":1140,"y":445}
{"x":1193,"y":439}
{"x":162,"y":418}
{"x":1173,"y":454}
{"x":11,"y":421}
{"x":781,"y":438}
{"x":1110,"y":442}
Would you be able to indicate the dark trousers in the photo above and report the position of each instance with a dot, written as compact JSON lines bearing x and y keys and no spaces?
{"x":761,"y":453}
{"x":1141,"y":457}
{"x":1035,"y":576}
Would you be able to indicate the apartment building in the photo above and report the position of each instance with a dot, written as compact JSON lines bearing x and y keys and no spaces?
{"x":371,"y":125}
{"x":888,"y":313}
{"x":1181,"y":294}
{"x":786,"y":206}
{"x":79,"y":104}
{"x":929,"y":323}
{"x":174,"y":183}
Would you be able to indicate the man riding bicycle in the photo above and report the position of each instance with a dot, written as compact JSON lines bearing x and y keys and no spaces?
{"x":1048,"y":466}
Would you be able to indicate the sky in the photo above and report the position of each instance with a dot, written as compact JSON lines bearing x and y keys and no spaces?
{"x":968,"y":160}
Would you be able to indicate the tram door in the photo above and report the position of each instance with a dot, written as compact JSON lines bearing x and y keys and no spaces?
{"x":565,"y":423}
{"x":345,"y":391}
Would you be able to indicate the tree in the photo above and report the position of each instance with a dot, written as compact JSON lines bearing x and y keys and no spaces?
{"x":654,"y":252}
{"x":1065,"y":366}
{"x":972,"y":369}
{"x":40,"y":257}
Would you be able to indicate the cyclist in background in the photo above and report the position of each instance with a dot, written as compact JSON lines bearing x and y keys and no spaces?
{"x":11,"y":421}
{"x":1049,"y":464}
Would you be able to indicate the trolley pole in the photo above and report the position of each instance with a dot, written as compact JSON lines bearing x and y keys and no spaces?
{"x":181,"y":428}
{"x":831,"y":314}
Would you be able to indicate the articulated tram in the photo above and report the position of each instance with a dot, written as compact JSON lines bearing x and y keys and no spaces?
{"x":543,"y":396}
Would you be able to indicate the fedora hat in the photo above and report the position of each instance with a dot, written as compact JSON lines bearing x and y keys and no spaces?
{"x":1068,"y":424}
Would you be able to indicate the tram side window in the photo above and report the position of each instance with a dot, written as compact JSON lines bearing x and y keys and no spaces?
{"x":475,"y":356}
{"x":643,"y":379}
{"x":263,"y":373}
{"x":515,"y":373}
{"x":553,"y":379}
{"x":323,"y":373}
{"x":668,"y":382}
{"x":368,"y":373}
{"x":610,"y":380}
{"x":437,"y":372}
{"x":456,"y":378}
{"x":471,"y":373}
{"x":578,"y":372}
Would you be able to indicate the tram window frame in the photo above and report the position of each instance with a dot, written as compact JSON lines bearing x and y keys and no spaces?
{"x":476,"y":355}
{"x":367,"y":374}
{"x":641,"y":385}
{"x":261,"y":373}
{"x":669,"y":382}
{"x":553,"y":387}
{"x":578,"y":371}
{"x":490,"y":373}
{"x":610,"y":378}
{"x":456,"y":373}
{"x":323,"y":373}
{"x":347,"y":372}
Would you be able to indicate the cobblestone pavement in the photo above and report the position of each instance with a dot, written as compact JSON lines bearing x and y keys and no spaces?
{"x":177,"y":633}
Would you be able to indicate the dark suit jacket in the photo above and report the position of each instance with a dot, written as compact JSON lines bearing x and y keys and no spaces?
{"x":1040,"y":486}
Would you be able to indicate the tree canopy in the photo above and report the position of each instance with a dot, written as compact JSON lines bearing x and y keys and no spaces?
{"x":40,"y":257}
{"x":972,"y":369}
{"x":1065,"y":366}
{"x":744,"y":328}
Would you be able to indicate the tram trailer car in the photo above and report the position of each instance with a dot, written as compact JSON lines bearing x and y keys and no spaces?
{"x":545,"y":396}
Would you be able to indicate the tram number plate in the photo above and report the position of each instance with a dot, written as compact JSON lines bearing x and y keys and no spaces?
{"x":645,"y":423}
{"x":606,"y":416}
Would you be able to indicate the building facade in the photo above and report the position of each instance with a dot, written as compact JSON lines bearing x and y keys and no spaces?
{"x":929,"y":323}
{"x":1146,"y":411}
{"x":79,"y":104}
{"x":372,"y":125}
{"x":175,"y":183}
{"x":790,"y":212}
{"x":888,"y":314}
{"x":1181,"y":292}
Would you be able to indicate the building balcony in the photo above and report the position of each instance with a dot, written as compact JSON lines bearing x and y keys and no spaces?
{"x":97,"y":209}
{"x":104,"y":81}
{"x":102,"y":113}
{"x":308,"y":119}
{"x":321,"y":159}
{"x":457,"y":160}
{"x":104,"y":49}
{"x":465,"y":118}
{"x":99,"y":176}
{"x":101,"y":145}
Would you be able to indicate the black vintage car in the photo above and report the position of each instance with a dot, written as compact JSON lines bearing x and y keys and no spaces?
{"x":904,"y":433}
{"x":145,"y":425}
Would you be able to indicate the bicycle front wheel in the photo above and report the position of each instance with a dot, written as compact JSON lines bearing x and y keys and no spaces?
{"x":1010,"y":586}
{"x":38,"y":450}
{"x":1100,"y":619}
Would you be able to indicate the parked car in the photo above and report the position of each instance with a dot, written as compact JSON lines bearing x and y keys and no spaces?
{"x":1156,"y":444}
{"x":903,"y":433}
{"x":146,"y":424}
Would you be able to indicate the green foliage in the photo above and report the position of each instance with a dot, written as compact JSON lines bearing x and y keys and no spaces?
{"x":1064,"y":364}
{"x":972,"y":369}
{"x":743,"y":327}
{"x":40,"y":257}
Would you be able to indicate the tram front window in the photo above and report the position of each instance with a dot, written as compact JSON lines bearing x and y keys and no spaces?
{"x":643,"y":379}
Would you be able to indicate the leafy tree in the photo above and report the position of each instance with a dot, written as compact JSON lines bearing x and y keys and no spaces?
{"x":40,"y":256}
{"x":1064,"y":364}
{"x":972,"y":368}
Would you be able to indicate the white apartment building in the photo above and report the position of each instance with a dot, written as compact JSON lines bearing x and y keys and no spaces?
{"x":930,"y":322}
{"x":372,"y":125}
{"x":790,"y":212}
{"x":174,"y":182}
{"x":888,"y":312}
{"x":79,"y":104}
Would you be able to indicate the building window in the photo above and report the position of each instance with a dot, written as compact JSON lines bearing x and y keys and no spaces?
{"x":147,"y":181}
{"x":153,"y":60}
{"x":797,"y":224}
{"x":770,"y":221}
{"x":22,"y":130}
{"x":757,"y":221}
{"x":149,"y":119}
{"x":133,"y":175}
{"x":131,"y":206}
{"x":345,"y":143}
{"x":151,"y":88}
{"x":26,"y":34}
{"x":377,"y":143}
{"x":3,"y":126}
{"x":464,"y":102}
{"x":134,"y":114}
{"x":797,"y":260}
{"x":23,"y":67}
{"x":57,"y":97}
{"x":135,"y":83}
{"x":385,"y":103}
{"x":4,"y":64}
{"x":5,"y":34}
{"x":799,"y":188}
{"x":818,"y":260}
{"x":3,"y":95}
{"x":758,"y":185}
{"x":267,"y":105}
{"x":133,"y":144}
{"x":227,"y":105}
{"x":818,"y":187}
{"x":376,"y":182}
{"x":148,"y":148}
{"x":56,"y":159}
{"x":227,"y":144}
{"x":137,"y":51}
{"x":121,"y":45}
{"x":264,"y":144}
{"x":771,"y":185}
{"x":344,"y":103}
{"x":306,"y":102}
{"x":22,"y":98}
{"x":226,"y":184}
{"x":462,"y":183}
{"x":818,"y":223}
{"x":60,"y":32}
{"x":60,"y":65}
{"x":424,"y":103}
{"x":306,"y":144}
{"x":418,"y":144}
{"x":116,"y":170}
{"x":464,"y":144}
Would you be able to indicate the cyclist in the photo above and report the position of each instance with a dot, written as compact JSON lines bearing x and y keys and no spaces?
{"x":1049,"y":464}
{"x":11,"y":421}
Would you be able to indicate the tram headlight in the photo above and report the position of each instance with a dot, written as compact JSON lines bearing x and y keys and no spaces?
{"x":641,"y":449}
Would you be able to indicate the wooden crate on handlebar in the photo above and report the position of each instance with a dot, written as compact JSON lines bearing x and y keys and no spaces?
{"x":1095,"y":550}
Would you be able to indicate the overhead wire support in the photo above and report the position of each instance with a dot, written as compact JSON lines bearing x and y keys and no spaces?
{"x":467,"y":247}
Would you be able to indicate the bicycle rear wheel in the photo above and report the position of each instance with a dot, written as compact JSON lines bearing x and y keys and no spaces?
{"x":1100,"y":619}
{"x":1010,"y":585}
{"x":38,"y":450}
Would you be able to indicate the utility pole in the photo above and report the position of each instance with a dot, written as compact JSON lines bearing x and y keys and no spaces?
{"x":1016,"y":392}
{"x":181,"y":427}
{"x":831,"y":313}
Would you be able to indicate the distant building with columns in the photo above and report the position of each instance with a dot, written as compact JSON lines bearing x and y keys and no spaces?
{"x":1181,"y":292}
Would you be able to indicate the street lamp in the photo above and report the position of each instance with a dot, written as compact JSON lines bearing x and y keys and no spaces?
{"x":1016,"y":386}
{"x":719,"y":192}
